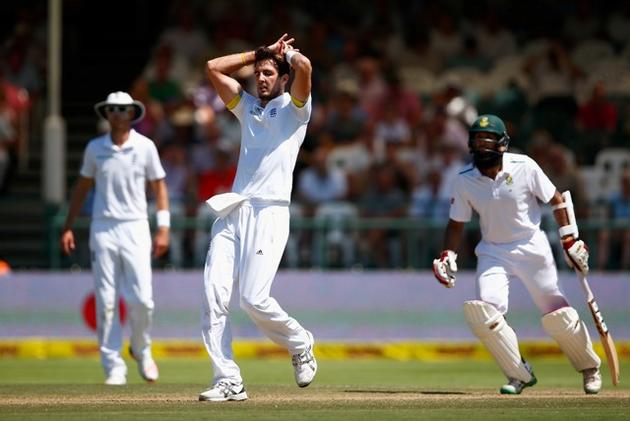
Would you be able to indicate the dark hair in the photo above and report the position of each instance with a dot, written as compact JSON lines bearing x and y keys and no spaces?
{"x":263,"y":53}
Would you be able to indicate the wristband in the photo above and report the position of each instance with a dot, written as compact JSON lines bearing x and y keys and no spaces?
{"x":163,"y":218}
{"x":567,"y":230}
{"x":289,"y":55}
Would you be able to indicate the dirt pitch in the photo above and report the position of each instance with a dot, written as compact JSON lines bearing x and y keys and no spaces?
{"x":279,"y":402}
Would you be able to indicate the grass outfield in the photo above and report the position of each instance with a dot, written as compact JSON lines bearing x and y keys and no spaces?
{"x":358,"y":390}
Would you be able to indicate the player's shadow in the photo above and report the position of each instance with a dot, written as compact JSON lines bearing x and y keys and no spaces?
{"x":414,"y":392}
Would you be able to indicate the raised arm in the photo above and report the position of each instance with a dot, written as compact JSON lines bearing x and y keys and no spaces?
{"x":219,"y":70}
{"x":301,"y":87}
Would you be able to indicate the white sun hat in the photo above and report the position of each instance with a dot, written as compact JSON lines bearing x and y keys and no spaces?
{"x":120,"y":98}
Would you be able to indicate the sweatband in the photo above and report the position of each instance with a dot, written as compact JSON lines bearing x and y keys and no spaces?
{"x":289,"y":55}
{"x":163,"y":218}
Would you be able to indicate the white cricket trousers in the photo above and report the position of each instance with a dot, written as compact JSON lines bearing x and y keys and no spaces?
{"x":121,"y":263}
{"x":529,"y":260}
{"x":243,"y":258}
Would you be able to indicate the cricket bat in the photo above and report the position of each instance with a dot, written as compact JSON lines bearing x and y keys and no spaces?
{"x":604,"y":334}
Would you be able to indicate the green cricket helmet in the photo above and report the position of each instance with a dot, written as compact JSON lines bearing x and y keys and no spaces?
{"x":487,"y":152}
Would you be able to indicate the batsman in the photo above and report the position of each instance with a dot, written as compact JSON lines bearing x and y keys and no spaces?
{"x":506,"y":189}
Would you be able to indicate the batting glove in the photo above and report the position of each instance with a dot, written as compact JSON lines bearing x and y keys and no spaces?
{"x":445,"y":267}
{"x":576,"y":255}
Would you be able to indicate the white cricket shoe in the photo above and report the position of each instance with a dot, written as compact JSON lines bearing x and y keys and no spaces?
{"x":116,"y":379}
{"x":516,"y":386}
{"x":304,"y":364}
{"x":224,"y":391}
{"x":147,"y":368}
{"x":592,"y":381}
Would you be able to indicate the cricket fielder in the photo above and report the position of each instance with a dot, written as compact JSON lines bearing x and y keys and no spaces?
{"x":250,"y":235}
{"x":504,"y":189}
{"x":119,"y":164}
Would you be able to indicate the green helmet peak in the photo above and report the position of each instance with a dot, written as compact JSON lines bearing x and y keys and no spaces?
{"x":489,"y":123}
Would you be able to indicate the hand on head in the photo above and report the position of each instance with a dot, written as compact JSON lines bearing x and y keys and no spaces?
{"x":280,"y":47}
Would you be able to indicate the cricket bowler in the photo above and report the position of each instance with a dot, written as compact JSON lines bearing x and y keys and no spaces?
{"x":249,"y":237}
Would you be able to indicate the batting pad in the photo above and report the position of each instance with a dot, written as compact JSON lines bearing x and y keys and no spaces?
{"x":564,"y":325}
{"x":490,"y":327}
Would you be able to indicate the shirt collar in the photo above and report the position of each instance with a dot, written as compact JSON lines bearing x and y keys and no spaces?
{"x":109,"y":144}
{"x":279,"y":99}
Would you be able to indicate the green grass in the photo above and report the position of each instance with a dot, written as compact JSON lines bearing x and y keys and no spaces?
{"x":357,"y":390}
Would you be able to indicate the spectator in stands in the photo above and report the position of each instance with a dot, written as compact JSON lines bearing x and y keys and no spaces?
{"x":383,"y":198}
{"x":618,"y":25}
{"x":178,"y":181}
{"x":619,"y":209}
{"x":14,"y":107}
{"x":552,"y":74}
{"x":559,"y":165}
{"x":391,"y":131}
{"x":469,"y":57}
{"x":372,"y":85}
{"x":162,"y":87}
{"x":154,"y":125}
{"x":404,"y":103}
{"x":347,"y":121}
{"x":8,"y":135}
{"x":493,"y":38}
{"x":22,"y":73}
{"x":445,"y":39}
{"x":319,"y":183}
{"x":179,"y":70}
{"x":419,"y":52}
{"x":427,"y":201}
{"x":189,"y":40}
{"x":598,"y":113}
{"x":583,"y":24}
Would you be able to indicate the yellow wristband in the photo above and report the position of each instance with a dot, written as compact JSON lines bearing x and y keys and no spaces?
{"x":244,"y":58}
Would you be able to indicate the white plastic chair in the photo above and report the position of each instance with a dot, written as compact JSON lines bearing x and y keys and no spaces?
{"x":612,"y":162}
{"x":334,"y":216}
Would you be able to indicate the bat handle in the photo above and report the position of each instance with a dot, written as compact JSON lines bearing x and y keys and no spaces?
{"x":585,"y":286}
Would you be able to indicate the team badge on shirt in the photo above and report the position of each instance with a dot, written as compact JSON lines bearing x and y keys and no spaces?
{"x":509,"y":180}
{"x":273,"y":112}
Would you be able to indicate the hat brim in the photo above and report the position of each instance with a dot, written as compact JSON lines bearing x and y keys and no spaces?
{"x":138,"y":108}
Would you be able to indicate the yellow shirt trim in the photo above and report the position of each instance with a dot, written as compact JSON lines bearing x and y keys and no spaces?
{"x":234,"y":102}
{"x":297,"y":102}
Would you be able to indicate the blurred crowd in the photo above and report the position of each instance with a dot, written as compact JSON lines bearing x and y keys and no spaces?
{"x":395,"y":86}
{"x":22,"y":76}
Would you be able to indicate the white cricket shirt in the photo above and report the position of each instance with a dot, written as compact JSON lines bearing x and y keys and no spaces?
{"x":120,"y":175}
{"x":508,"y":206}
{"x":270,"y":140}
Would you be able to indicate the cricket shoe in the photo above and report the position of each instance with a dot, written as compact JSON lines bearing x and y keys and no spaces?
{"x":147,"y":368}
{"x":224,"y":391}
{"x":304,"y":364}
{"x":116,"y":379}
{"x":592,"y":381}
{"x":516,"y":386}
